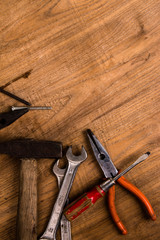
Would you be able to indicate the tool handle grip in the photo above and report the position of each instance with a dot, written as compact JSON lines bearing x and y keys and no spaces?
{"x":74,"y":209}
{"x":8,"y":118}
{"x":113,"y":212}
{"x":133,"y":189}
{"x":27,"y":209}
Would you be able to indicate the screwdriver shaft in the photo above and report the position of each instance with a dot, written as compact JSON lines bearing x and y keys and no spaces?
{"x":31,"y":108}
{"x":110,"y":182}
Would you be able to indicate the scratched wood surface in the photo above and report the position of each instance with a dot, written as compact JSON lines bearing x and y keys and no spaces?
{"x":97,"y":64}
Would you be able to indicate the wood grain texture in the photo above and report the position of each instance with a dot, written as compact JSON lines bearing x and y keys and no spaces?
{"x":27,"y":209}
{"x":97,"y":64}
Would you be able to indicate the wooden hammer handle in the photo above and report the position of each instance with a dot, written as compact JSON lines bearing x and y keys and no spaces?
{"x":27,"y":209}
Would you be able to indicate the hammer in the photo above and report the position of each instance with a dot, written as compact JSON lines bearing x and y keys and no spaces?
{"x":28,"y":151}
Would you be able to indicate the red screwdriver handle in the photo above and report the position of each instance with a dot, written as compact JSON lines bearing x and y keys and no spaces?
{"x":74,"y":209}
{"x":80,"y":205}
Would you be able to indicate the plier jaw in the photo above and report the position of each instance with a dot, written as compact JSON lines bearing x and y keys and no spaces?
{"x":102,"y":156}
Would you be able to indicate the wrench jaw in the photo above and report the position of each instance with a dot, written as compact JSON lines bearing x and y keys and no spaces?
{"x":73,"y":158}
{"x":59,"y":172}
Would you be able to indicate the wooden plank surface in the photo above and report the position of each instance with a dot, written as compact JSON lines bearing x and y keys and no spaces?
{"x":97,"y":64}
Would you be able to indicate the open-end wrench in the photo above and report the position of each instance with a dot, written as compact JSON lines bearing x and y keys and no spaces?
{"x":65,"y":224}
{"x":73,"y":163}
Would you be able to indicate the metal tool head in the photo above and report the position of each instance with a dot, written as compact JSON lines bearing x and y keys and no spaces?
{"x":29,"y":148}
{"x":102,"y":156}
{"x":57,"y":170}
{"x":73,"y":158}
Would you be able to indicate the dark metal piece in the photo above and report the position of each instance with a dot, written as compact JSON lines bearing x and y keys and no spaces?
{"x":102,"y":156}
{"x":14,"y":97}
{"x":8,"y":118}
{"x":29,"y":148}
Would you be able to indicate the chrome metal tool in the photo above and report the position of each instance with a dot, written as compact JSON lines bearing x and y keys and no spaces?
{"x":65,"y":225}
{"x":73,"y":163}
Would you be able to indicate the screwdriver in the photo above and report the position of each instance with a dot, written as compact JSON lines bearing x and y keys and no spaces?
{"x":74,"y":209}
{"x":8,"y":118}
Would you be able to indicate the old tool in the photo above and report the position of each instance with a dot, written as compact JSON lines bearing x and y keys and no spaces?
{"x":14,"y":96}
{"x":30,"y":108}
{"x":88,"y":199}
{"x":73,"y":163}
{"x":28,"y":150}
{"x":8,"y":118}
{"x":64,"y":223}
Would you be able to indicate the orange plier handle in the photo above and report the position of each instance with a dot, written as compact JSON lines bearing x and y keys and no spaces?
{"x":133,"y":189}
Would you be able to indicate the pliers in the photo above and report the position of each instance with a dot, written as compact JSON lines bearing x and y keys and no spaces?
{"x":110,"y":172}
{"x":109,"y":169}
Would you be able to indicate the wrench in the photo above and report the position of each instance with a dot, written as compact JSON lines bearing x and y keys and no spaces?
{"x":65,"y":223}
{"x":73,"y":163}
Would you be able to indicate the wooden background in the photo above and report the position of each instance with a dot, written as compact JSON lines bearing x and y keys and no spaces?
{"x":97,"y":63}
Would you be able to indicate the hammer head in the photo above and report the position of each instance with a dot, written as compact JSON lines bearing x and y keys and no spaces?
{"x":29,"y":148}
